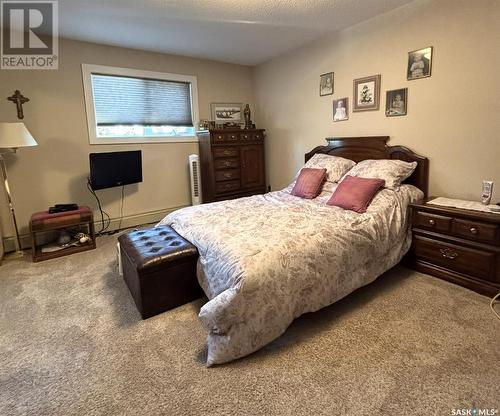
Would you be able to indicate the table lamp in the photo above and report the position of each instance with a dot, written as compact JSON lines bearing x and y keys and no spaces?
{"x":12,"y":137}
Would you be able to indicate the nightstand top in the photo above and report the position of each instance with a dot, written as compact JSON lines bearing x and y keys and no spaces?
{"x":469,"y":213}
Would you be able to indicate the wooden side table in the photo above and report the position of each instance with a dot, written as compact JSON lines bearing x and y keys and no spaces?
{"x":458,"y":245}
{"x":43,"y":222}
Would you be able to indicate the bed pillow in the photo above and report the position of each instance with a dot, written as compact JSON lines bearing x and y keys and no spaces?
{"x":309,"y":183}
{"x":355,"y":193}
{"x":393,"y":172}
{"x":336,"y":167}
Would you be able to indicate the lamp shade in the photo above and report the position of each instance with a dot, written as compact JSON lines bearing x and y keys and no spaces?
{"x":14,"y":135}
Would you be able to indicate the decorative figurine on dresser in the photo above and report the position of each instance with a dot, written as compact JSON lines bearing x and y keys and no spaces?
{"x":232,"y":163}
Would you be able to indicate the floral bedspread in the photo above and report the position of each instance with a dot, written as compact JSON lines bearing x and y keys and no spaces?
{"x":267,"y":259}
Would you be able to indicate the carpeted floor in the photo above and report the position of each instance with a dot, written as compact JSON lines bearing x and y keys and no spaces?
{"x":72,"y":343}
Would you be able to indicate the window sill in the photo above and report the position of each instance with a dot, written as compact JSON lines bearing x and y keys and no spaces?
{"x":143,"y":140}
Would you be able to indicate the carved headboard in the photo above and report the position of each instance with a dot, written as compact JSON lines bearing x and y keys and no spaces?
{"x":362,"y":148}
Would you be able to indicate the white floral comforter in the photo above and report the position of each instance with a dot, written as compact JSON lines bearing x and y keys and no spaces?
{"x":267,"y":259}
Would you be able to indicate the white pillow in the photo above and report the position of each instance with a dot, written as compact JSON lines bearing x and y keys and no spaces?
{"x":336,"y":167}
{"x":394,"y":172}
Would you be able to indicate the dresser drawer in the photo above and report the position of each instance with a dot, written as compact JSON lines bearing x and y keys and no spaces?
{"x":226,"y":152}
{"x":246,"y":136}
{"x":431,"y":221}
{"x":226,"y":175}
{"x":226,"y":137}
{"x":221,"y":187}
{"x":227,"y":163}
{"x":257,"y":136}
{"x":474,"y":230}
{"x":466,"y":260}
{"x":251,"y":136}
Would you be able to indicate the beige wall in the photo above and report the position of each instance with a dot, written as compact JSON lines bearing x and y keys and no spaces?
{"x":453,"y":116}
{"x":56,"y":170}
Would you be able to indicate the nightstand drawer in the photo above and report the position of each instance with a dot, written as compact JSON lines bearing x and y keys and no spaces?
{"x":431,"y":221}
{"x":473,"y":230}
{"x":467,"y":260}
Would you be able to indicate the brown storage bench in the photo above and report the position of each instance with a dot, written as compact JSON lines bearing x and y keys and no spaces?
{"x":44,"y":222}
{"x":159,"y":267}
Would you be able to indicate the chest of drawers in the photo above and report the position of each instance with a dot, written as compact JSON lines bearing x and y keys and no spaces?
{"x":232,"y":163}
{"x":457,"y":245}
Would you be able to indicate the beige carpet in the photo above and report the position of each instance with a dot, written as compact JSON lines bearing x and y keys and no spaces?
{"x":72,"y":343}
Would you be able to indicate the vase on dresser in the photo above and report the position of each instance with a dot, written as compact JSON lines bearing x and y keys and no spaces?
{"x":232,"y":163}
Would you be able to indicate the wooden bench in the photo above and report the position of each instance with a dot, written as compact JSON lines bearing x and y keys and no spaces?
{"x":43,"y":222}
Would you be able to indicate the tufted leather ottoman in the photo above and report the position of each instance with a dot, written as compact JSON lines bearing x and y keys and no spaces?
{"x":159,"y":267}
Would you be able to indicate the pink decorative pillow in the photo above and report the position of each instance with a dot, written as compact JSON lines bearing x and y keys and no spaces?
{"x":355,"y":193}
{"x":309,"y":183}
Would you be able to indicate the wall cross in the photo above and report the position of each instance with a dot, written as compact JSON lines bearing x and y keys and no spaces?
{"x":19,"y":100}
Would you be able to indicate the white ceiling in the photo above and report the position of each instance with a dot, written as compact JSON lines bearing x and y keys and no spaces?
{"x":240,"y":31}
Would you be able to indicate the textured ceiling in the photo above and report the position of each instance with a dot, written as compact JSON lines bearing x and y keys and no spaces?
{"x":240,"y":31}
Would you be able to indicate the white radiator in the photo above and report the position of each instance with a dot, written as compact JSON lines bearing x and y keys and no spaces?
{"x":194,"y":174}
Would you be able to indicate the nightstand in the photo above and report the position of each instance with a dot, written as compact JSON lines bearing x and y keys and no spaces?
{"x":458,"y":245}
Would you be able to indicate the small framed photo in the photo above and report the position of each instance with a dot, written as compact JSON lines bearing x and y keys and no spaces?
{"x":396,"y":102}
{"x":419,"y":63}
{"x":326,"y":84}
{"x":226,"y":112}
{"x":341,"y":109}
{"x":367,"y":94}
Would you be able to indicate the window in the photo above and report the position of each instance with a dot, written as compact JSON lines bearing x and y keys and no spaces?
{"x":134,"y":106}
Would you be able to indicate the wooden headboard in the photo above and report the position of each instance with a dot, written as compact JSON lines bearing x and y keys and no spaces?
{"x":362,"y":148}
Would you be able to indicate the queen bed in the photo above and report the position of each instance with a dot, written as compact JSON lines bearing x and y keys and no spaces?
{"x":265,"y":260}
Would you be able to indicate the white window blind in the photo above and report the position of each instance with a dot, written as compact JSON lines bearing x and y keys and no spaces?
{"x":127,"y":105}
{"x":126,"y":101}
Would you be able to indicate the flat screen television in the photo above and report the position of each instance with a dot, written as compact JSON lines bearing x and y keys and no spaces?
{"x":111,"y":169}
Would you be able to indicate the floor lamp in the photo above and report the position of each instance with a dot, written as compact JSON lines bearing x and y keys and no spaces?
{"x":12,"y":137}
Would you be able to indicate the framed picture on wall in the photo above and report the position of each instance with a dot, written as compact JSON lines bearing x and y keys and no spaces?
{"x":419,"y":63}
{"x":326,"y":84}
{"x":341,"y":109}
{"x":366,"y":94}
{"x":226,"y":112}
{"x":396,"y":102}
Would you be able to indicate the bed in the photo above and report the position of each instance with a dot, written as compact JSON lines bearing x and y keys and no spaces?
{"x":267,"y":259}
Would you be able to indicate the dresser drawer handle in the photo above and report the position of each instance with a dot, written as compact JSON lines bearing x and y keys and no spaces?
{"x":448,"y":253}
{"x":245,"y":136}
{"x":473,"y":230}
{"x":257,"y":136}
{"x":226,"y":152}
{"x":233,"y":136}
{"x":432,"y":222}
{"x":227,"y":164}
{"x":228,"y":175}
{"x":219,"y":137}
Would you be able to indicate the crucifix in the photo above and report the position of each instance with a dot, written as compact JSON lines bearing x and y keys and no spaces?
{"x":19,"y":99}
